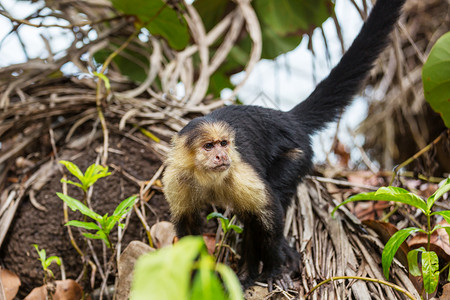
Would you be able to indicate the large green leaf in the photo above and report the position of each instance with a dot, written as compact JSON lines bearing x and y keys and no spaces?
{"x":390,"y":193}
{"x":290,"y":16}
{"x":159,"y":18}
{"x":392,"y":246}
{"x":212,"y":12}
{"x":430,"y":271}
{"x":436,"y":78}
{"x":174,"y":265}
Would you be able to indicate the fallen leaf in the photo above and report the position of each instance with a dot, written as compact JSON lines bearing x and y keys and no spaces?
{"x":125,"y":267}
{"x":445,"y":292}
{"x":10,"y":283}
{"x":210,"y":242}
{"x":385,"y":231}
{"x":65,"y":290}
{"x":163,"y":234}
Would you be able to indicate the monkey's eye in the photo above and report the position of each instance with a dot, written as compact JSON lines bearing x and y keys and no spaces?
{"x":208,"y":146}
{"x":223,"y":143}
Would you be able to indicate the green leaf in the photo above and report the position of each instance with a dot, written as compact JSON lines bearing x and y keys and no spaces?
{"x":85,"y":225}
{"x":75,"y":205}
{"x":93,"y":173}
{"x":174,"y":264}
{"x":430,"y":271}
{"x":230,"y":281}
{"x":236,"y":228}
{"x":439,"y":192}
{"x":73,"y":183}
{"x":445,"y":214}
{"x":51,"y":259}
{"x":436,"y":78}
{"x":160,"y":20}
{"x":73,"y":169}
{"x":413,"y":264}
{"x":392,"y":246}
{"x":105,"y":80}
{"x":41,"y":253}
{"x":125,"y":206}
{"x":206,"y":285}
{"x":215,"y":215}
{"x":290,"y":16}
{"x":390,"y":193}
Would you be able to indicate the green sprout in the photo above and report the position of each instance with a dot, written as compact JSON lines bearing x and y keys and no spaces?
{"x":92,"y":174}
{"x":46,"y":262}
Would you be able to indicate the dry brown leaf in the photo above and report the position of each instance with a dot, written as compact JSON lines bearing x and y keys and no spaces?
{"x":125,"y":268}
{"x":446,"y":292}
{"x":163,"y":234}
{"x":385,"y":231}
{"x":65,"y":290}
{"x":210,"y":241}
{"x":10,"y":283}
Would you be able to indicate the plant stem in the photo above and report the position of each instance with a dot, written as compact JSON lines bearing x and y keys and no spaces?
{"x":418,"y":154}
{"x":428,"y":231}
{"x":394,"y":286}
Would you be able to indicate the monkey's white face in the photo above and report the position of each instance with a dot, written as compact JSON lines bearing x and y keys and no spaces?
{"x":214,"y":156}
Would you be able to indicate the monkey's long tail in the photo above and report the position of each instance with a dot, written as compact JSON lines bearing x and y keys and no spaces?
{"x":345,"y":79}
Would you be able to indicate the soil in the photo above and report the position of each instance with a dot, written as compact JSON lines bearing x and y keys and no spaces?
{"x":46,"y":228}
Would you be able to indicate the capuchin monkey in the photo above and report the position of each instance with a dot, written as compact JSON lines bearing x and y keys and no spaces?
{"x":251,"y":159}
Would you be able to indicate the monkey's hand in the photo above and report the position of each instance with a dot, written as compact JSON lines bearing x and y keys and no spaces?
{"x":283,"y":280}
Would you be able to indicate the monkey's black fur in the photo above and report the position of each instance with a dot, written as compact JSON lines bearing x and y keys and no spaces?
{"x":278,"y":144}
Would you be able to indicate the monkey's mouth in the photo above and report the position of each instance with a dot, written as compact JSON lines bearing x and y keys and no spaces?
{"x":221,"y":168}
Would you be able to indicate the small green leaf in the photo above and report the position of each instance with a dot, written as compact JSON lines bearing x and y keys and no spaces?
{"x":75,"y":205}
{"x":445,"y":214}
{"x":73,"y":169}
{"x":85,"y":225}
{"x":392,"y":246}
{"x":447,"y":229}
{"x":413,"y":264}
{"x":215,"y":215}
{"x":430,"y":270}
{"x":439,"y":192}
{"x":41,"y":253}
{"x":125,"y":206}
{"x":51,"y":259}
{"x":390,"y":193}
{"x":236,"y":228}
{"x":105,"y":80}
{"x":73,"y":183}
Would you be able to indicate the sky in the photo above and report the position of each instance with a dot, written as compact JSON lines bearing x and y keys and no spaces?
{"x":279,"y":83}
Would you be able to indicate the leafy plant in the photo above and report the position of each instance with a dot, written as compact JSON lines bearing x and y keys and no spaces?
{"x":227,"y":227}
{"x":189,"y":268}
{"x":105,"y":223}
{"x":429,"y":261}
{"x":46,"y":262}
{"x":92,"y":174}
{"x":226,"y":224}
{"x":436,"y":77}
